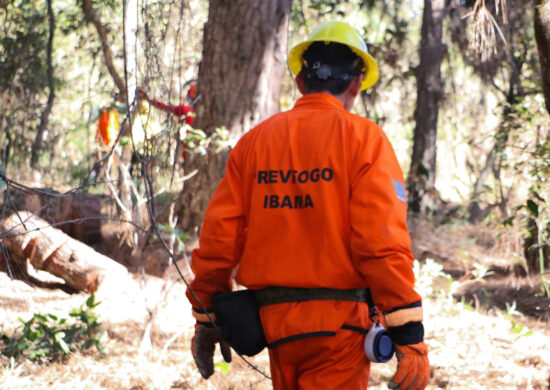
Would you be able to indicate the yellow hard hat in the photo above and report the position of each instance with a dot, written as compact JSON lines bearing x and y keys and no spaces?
{"x":338,"y":32}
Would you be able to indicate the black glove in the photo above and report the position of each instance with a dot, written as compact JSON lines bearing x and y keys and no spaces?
{"x":203,"y":345}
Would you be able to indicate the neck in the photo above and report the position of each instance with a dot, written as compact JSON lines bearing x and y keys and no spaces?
{"x":345,"y":98}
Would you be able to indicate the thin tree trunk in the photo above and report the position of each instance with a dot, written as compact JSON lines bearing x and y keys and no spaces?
{"x":492,"y":162}
{"x":243,"y":62}
{"x":421,"y":178}
{"x":484,"y":173}
{"x":6,"y":153}
{"x":130,"y":49}
{"x":130,"y":76}
{"x":89,"y":10}
{"x":37,"y":144}
{"x":542,"y":35}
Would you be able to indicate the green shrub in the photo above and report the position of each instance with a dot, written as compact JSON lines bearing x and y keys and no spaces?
{"x":46,"y":337}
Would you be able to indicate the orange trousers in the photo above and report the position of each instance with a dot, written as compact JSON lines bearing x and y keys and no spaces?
{"x":327,"y":362}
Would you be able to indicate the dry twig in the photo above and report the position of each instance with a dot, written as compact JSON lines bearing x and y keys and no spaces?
{"x":486,"y":29}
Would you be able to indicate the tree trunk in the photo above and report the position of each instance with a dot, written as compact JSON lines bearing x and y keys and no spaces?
{"x":51,"y":250}
{"x":421,"y":178}
{"x":242,"y":63}
{"x":542,"y":34}
{"x":37,"y":144}
{"x":493,"y":161}
{"x":130,"y":76}
{"x":92,"y":16}
{"x":239,"y":82}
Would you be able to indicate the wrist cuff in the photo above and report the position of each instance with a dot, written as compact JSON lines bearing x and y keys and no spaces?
{"x":402,"y":315}
{"x":204,"y":317}
{"x":410,"y":333}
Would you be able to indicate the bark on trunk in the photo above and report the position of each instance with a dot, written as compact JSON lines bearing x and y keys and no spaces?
{"x":542,"y":35}
{"x":239,"y":82}
{"x":37,"y":144}
{"x":421,"y":178}
{"x":89,"y":10}
{"x":242,"y":63}
{"x":51,"y":250}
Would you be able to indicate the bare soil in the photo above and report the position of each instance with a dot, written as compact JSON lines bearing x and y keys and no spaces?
{"x":486,"y":328}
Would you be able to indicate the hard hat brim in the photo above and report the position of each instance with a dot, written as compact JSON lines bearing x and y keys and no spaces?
{"x":372,"y":72}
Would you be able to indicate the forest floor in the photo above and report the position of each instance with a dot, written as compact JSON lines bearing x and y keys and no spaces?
{"x":486,"y":327}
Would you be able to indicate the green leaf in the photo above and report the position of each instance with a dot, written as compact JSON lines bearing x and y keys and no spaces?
{"x":100,"y":347}
{"x":41,"y":352}
{"x":21,"y":345}
{"x":224,"y":367}
{"x":183,"y":236}
{"x":97,"y":337}
{"x":88,"y":343}
{"x":533,"y":208}
{"x":90,"y":301}
{"x":509,"y":221}
{"x":518,"y":328}
{"x":536,"y":195}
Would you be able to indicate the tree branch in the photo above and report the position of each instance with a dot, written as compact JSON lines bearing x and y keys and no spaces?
{"x":93,"y":17}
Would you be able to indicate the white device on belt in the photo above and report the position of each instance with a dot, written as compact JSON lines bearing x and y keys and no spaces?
{"x":378,"y":344}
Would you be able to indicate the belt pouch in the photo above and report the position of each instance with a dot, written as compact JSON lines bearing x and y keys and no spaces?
{"x":238,"y":315}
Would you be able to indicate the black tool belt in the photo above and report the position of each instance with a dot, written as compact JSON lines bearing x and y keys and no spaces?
{"x":238,"y":315}
{"x":273,"y":295}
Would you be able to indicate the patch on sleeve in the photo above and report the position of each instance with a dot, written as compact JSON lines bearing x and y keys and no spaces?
{"x":400,"y":191}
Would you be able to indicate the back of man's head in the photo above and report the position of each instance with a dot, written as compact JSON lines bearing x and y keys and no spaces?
{"x":329,"y":67}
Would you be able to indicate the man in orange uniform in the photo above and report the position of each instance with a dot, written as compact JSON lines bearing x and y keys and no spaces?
{"x":313,"y":198}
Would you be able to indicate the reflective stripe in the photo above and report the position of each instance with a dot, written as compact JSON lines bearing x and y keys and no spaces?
{"x":204,"y":317}
{"x":401,"y":317}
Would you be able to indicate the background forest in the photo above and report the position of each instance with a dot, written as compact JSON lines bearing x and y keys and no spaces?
{"x":464,"y":96}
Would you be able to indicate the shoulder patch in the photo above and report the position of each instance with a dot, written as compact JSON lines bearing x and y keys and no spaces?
{"x":400,"y":190}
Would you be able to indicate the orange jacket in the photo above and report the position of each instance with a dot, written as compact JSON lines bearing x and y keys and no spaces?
{"x":312,"y":197}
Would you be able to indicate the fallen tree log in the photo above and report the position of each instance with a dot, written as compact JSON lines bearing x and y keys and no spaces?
{"x":51,"y":250}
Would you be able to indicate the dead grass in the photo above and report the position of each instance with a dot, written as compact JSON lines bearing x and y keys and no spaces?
{"x":469,"y":348}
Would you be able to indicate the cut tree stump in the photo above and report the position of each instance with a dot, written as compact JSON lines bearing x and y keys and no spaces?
{"x":51,"y":250}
